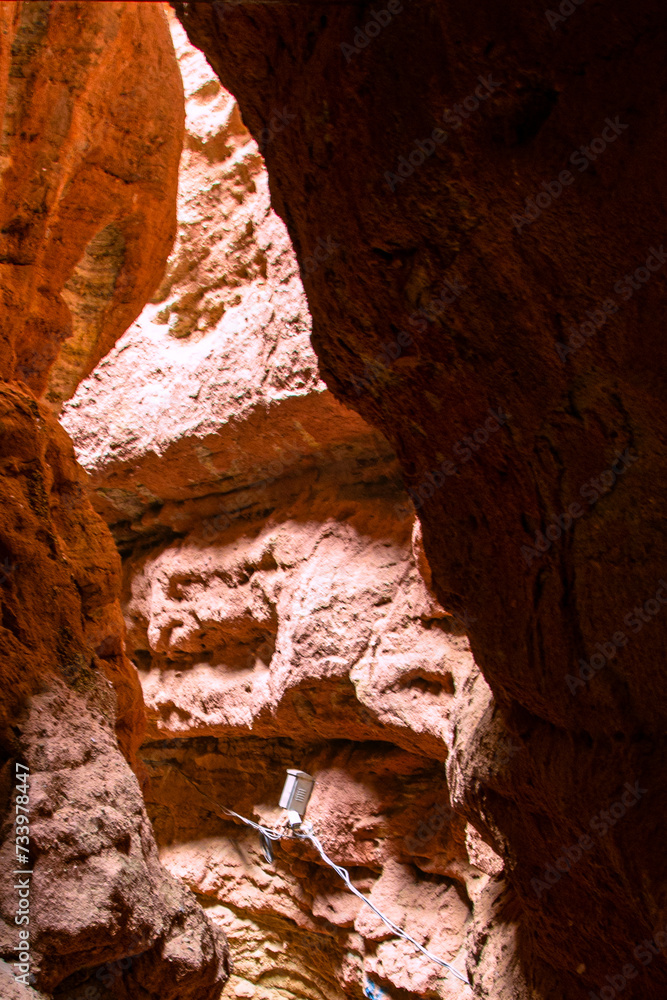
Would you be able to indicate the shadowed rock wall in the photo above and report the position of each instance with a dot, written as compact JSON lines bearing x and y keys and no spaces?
{"x":490,"y":177}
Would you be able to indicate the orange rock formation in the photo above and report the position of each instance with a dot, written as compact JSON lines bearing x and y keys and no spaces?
{"x":92,"y":118}
{"x":275,"y":607}
{"x":91,"y":136}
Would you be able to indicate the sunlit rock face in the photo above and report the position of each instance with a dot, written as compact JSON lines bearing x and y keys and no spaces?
{"x":308,"y":640}
{"x":492,"y":178}
{"x":215,"y":388}
{"x":89,"y":165}
{"x":279,"y":609}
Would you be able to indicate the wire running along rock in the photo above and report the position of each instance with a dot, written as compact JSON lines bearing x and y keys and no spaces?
{"x":267,"y":835}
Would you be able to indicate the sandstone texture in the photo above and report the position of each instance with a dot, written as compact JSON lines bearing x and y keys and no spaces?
{"x":463,"y":261}
{"x":279,"y":608}
{"x":105,"y":918}
{"x":91,"y":135}
{"x":224,"y":344}
{"x":311,"y":642}
{"x":70,"y":703}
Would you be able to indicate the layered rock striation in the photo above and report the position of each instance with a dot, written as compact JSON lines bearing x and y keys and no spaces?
{"x":223,"y":344}
{"x":89,"y":167}
{"x":91,"y":137}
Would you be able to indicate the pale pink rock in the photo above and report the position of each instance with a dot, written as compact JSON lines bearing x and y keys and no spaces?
{"x":278,"y":606}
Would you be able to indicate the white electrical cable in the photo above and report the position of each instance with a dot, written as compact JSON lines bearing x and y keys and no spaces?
{"x":271,"y":834}
{"x":345,"y":875}
{"x":341,"y":872}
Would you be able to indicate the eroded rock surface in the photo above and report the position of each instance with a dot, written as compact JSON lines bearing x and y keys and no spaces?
{"x":70,"y":701}
{"x":81,"y":153}
{"x":91,"y":134}
{"x":464,"y":260}
{"x":308,"y":641}
{"x":225,"y":344}
{"x":277,"y":608}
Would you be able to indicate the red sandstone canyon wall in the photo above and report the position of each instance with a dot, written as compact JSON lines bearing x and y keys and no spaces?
{"x":490,"y":179}
{"x":92,"y":132}
{"x":92,"y":111}
{"x":462,"y":210}
{"x":276,"y":606}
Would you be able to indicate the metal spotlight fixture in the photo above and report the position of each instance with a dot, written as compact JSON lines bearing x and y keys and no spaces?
{"x":295,"y":795}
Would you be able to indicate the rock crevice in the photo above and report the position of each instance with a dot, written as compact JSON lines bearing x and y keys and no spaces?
{"x":276,"y":606}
